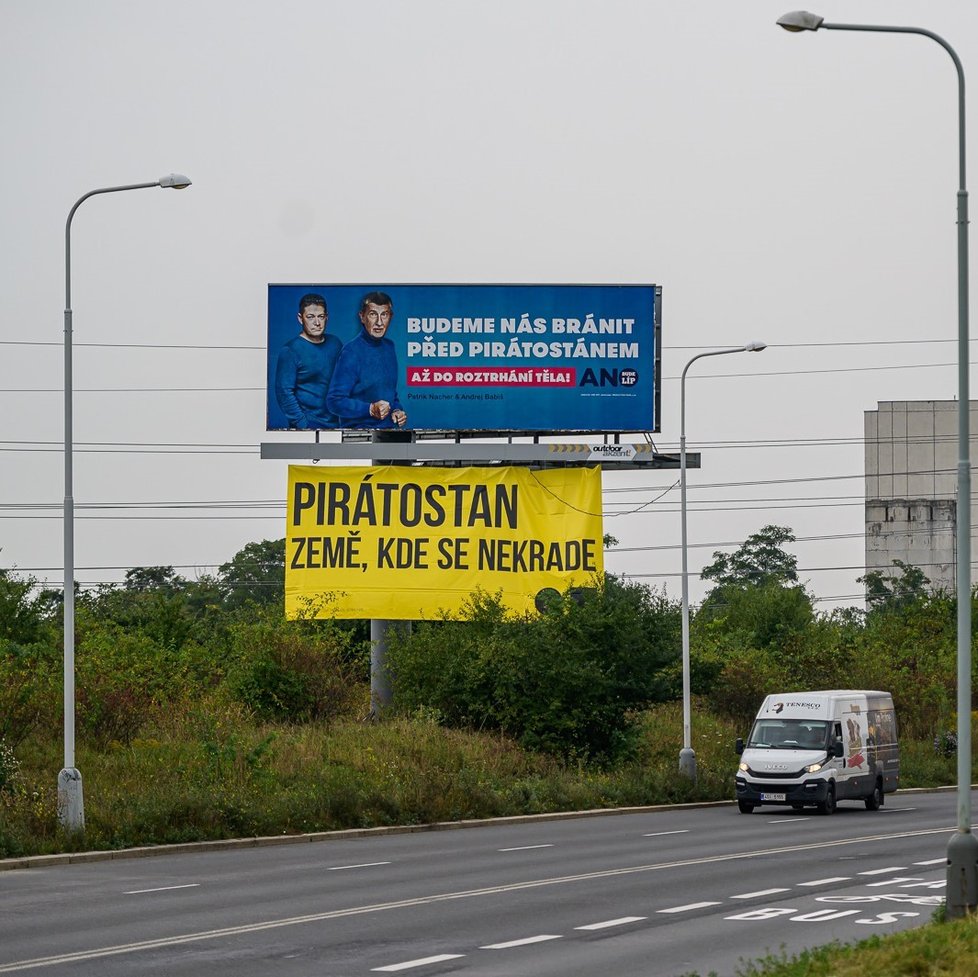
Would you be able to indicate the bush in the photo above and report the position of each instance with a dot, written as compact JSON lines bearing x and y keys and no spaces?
{"x":295,"y":670}
{"x":564,"y":682}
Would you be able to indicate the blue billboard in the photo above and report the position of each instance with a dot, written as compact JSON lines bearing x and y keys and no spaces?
{"x":470,"y":358}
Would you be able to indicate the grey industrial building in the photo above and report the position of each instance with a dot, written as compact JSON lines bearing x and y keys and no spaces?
{"x":911,"y":486}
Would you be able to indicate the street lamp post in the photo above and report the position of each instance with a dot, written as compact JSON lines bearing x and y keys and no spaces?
{"x":962,"y":852}
{"x":687,"y":755}
{"x":71,"y":806}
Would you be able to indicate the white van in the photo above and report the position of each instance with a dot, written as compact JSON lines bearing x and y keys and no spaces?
{"x":813,"y":749}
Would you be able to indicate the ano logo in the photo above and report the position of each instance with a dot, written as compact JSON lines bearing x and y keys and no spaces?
{"x":609,"y":378}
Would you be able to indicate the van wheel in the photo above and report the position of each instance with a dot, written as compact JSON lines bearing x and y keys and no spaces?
{"x":828,"y":805}
{"x":875,"y":800}
{"x":745,"y":807}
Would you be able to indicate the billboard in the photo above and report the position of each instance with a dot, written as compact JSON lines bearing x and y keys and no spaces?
{"x":404,"y":543}
{"x":474,"y":358}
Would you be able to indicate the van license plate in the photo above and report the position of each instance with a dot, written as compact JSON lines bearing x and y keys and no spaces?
{"x":772,"y":797}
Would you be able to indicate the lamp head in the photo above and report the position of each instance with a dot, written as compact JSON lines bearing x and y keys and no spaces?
{"x":754,"y":347}
{"x":176,"y":181}
{"x":800,"y":20}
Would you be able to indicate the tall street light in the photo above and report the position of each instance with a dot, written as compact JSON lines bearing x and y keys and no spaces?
{"x":962,"y":851}
{"x":71,"y":805}
{"x":687,"y":755}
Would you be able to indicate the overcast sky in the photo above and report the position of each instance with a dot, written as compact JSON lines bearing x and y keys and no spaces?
{"x":797,"y":189}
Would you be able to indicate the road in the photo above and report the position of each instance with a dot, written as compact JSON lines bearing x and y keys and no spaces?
{"x":650,"y":894}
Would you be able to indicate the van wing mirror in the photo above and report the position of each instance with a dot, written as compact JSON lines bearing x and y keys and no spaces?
{"x":837,"y":749}
{"x":739,"y":746}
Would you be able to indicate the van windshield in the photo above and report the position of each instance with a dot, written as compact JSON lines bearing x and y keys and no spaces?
{"x":789,"y":734}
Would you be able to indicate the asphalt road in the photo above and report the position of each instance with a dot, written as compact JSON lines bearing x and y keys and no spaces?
{"x":656,"y":894}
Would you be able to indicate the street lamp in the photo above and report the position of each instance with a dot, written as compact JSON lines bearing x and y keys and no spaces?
{"x":962,"y":851}
{"x":687,"y":755}
{"x":71,"y":806}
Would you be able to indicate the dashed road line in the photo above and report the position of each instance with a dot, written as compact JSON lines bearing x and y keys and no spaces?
{"x":343,"y":868}
{"x":525,"y":848}
{"x":659,"y":834}
{"x":421,"y":962}
{"x":162,"y":888}
{"x":688,"y":908}
{"x":837,"y":878}
{"x":526,"y":941}
{"x":624,"y":920}
{"x":760,"y":892}
{"x":886,"y":871}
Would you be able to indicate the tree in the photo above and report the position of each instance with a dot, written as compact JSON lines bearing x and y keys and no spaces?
{"x":255,"y":574}
{"x":152,"y":578}
{"x":892,"y":592}
{"x":759,"y":559}
{"x":22,"y":614}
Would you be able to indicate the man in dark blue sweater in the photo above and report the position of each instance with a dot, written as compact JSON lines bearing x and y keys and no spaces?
{"x":363,"y":392}
{"x":305,"y":368}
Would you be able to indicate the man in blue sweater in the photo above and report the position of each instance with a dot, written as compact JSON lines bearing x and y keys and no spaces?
{"x":305,"y":368}
{"x":363,"y":392}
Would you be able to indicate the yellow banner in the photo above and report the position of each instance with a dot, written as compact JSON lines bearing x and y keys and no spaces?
{"x":404,"y":543}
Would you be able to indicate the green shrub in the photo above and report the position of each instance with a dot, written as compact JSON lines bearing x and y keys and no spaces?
{"x":563,"y":682}
{"x":294,"y":670}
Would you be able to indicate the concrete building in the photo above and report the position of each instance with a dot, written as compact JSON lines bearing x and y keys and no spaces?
{"x":911,"y":486}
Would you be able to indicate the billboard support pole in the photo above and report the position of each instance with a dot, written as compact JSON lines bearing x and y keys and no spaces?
{"x":381,"y":694}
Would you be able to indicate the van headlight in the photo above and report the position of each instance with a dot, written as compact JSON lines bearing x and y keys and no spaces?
{"x":744,"y":768}
{"x":813,"y":768}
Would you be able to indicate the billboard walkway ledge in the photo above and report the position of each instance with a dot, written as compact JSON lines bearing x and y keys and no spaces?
{"x":75,"y":858}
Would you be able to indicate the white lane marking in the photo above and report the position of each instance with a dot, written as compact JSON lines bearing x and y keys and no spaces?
{"x":180,"y":939}
{"x":894,"y":881}
{"x":612,"y":922}
{"x":343,"y":868}
{"x":524,"y":942}
{"x":421,"y":962}
{"x":760,"y":892}
{"x":788,"y":820}
{"x":688,"y":908}
{"x":894,"y":810}
{"x":934,"y":861}
{"x":886,"y":871}
{"x":658,"y":834}
{"x":837,"y":878}
{"x":524,"y":848}
{"x":162,"y":888}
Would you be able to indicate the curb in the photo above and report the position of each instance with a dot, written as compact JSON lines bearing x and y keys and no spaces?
{"x":267,"y":841}
{"x":226,"y":844}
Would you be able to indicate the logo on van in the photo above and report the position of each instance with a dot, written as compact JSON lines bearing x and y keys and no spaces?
{"x":777,"y":708}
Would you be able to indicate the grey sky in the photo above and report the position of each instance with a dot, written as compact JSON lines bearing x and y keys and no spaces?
{"x":796,"y":189}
